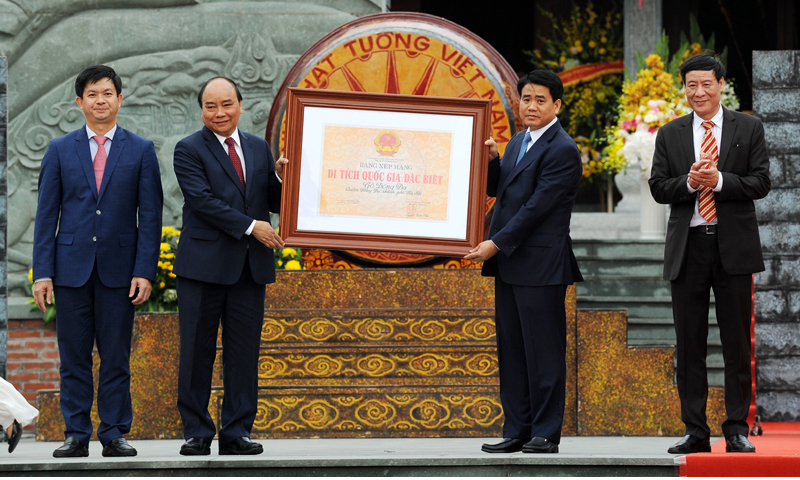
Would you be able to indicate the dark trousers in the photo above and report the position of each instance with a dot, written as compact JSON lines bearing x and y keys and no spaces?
{"x":690,"y":303}
{"x":201,"y":308}
{"x":88,"y":314}
{"x":531,"y":327}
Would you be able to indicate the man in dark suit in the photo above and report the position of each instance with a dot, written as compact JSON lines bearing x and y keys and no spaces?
{"x":710,"y":166}
{"x":96,"y":242}
{"x":230,"y":183}
{"x":529,"y":252}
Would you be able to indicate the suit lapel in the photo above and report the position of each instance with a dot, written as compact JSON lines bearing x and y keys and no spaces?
{"x":84,"y":155}
{"x":249,"y":159}
{"x":728,"y":131}
{"x":117,"y":144}
{"x":531,"y":156}
{"x":222,"y":157}
{"x":687,"y":140}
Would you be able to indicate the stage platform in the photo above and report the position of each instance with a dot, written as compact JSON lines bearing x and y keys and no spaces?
{"x":580,"y":456}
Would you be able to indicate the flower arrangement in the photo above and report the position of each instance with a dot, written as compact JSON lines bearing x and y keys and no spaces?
{"x":585,"y":37}
{"x":164,"y":296}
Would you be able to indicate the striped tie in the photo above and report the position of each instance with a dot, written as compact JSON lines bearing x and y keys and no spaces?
{"x":706,"y":202}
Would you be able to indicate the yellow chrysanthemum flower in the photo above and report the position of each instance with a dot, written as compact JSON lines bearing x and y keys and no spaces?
{"x":289,"y":252}
{"x":292,"y":265}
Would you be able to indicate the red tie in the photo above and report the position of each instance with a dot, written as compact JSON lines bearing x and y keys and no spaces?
{"x":99,"y":161}
{"x":706,"y":206}
{"x":237,"y":162}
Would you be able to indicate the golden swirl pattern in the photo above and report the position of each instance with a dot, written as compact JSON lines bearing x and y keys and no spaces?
{"x":318,"y":414}
{"x":346,"y":425}
{"x":290,"y":426}
{"x":376,"y":365}
{"x":430,"y":329}
{"x":484,"y":411}
{"x":323,"y":366}
{"x":269,"y":367}
{"x":375,"y":413}
{"x":374,"y":329}
{"x":318,"y":329}
{"x":348,"y":401}
{"x":480,"y":328}
{"x":271,"y":329}
{"x":291,"y":401}
{"x":430,"y":413}
{"x":402,"y":399}
{"x":482,"y":364}
{"x":267,"y":414}
{"x":428,"y":364}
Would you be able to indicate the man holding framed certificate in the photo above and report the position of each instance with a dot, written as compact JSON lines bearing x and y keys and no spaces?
{"x":529,"y":252}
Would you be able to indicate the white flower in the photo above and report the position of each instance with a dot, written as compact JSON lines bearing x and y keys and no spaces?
{"x":640,"y":147}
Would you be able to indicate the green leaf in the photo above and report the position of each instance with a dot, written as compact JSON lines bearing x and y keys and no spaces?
{"x":694,"y":29}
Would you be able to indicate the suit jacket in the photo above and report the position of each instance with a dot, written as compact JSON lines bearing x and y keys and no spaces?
{"x":744,"y":165}
{"x":119,"y":228}
{"x":530,"y":224}
{"x":217,"y":211}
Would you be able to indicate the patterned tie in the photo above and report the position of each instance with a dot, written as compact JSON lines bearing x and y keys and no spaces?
{"x":706,"y":206}
{"x":237,"y":162}
{"x":524,"y":148}
{"x":99,"y":160}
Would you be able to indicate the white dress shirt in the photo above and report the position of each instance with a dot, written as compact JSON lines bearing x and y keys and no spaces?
{"x":698,"y":132}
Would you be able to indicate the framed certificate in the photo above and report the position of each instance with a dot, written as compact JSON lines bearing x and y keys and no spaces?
{"x":384,"y":172}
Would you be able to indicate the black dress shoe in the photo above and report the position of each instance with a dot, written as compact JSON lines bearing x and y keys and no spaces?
{"x":540,"y":445}
{"x":508,"y":445}
{"x":691,"y":444}
{"x":118,"y":448}
{"x":196,"y":446}
{"x":72,"y":448}
{"x":241,"y":446}
{"x":13,"y":440}
{"x":739,"y":444}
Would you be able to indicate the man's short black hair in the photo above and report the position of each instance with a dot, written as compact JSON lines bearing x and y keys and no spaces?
{"x":203,"y":89}
{"x":94,"y":74}
{"x":703,"y":61}
{"x":544,"y":78}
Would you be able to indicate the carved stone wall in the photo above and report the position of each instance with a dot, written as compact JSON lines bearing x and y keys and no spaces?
{"x":164,"y":50}
{"x":776,"y":101}
{"x":3,"y":215}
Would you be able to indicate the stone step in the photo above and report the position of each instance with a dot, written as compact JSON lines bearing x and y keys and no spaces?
{"x":637,"y":307}
{"x":621,"y":268}
{"x":628,"y":286}
{"x":617,"y":249}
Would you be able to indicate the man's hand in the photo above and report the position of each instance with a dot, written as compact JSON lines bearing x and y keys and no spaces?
{"x":265,"y":234}
{"x":42,"y":291}
{"x":493,"y":151}
{"x":279,"y":165}
{"x":484,"y":251}
{"x":704,"y":173}
{"x":144,"y":287}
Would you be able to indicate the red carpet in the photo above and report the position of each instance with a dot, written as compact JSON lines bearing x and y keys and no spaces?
{"x":777,"y":455}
